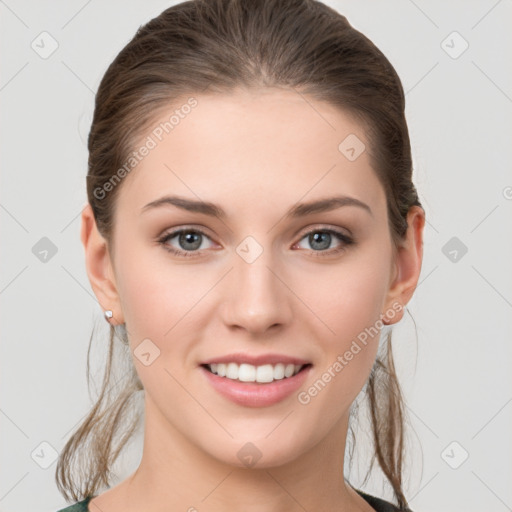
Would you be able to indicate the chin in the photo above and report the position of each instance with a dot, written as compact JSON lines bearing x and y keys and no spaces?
{"x":261,"y":453}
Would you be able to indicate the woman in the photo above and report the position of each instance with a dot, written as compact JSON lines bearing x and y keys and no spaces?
{"x":252,"y":225}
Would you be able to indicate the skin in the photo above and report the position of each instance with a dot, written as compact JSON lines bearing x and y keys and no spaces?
{"x":255,"y":154}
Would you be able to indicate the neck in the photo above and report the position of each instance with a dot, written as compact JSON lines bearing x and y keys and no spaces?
{"x":175,"y":474}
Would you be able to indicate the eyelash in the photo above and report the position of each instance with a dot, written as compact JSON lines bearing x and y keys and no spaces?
{"x":345,"y":240}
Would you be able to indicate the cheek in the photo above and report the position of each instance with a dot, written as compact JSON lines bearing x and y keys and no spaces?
{"x":348,"y":300}
{"x":154,"y":292}
{"x":356,"y":301}
{"x":157,"y":301}
{"x":347,"y":357}
{"x":348,"y":297}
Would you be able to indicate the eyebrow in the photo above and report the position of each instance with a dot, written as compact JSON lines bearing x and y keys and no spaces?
{"x":299,"y":210}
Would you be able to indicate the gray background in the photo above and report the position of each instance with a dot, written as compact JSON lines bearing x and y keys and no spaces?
{"x":455,"y":367}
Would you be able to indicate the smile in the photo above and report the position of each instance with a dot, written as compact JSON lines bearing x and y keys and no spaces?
{"x":249,"y":373}
{"x":253,"y":393}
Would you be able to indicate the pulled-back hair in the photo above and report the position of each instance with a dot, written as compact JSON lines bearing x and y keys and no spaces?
{"x":221,"y":45}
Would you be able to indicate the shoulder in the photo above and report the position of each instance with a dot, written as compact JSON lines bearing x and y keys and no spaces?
{"x":379,"y":504}
{"x":81,"y":506}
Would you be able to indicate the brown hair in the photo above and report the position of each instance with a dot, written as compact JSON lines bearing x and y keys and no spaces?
{"x":222,"y":45}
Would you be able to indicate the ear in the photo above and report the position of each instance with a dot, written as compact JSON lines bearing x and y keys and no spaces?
{"x":99,"y":266}
{"x":407,"y":263}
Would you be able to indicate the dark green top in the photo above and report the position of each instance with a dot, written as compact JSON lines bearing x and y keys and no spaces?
{"x":378,"y":504}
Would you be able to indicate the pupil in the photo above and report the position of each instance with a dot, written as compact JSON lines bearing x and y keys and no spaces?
{"x":322,"y":238}
{"x":190,"y":238}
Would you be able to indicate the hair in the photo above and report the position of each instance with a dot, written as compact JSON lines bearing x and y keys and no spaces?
{"x":222,"y":45}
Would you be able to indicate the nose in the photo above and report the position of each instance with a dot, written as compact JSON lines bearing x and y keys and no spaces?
{"x":257,"y":300}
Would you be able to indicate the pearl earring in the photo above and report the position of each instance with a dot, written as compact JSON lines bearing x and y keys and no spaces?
{"x":108,"y":315}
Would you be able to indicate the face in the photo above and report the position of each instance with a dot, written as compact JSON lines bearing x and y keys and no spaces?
{"x":262,"y":281}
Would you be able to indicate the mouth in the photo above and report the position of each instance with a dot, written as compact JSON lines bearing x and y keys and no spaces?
{"x":261,"y":374}
{"x":267,"y":382}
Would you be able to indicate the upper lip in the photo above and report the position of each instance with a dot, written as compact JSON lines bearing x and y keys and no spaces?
{"x":256,"y":360}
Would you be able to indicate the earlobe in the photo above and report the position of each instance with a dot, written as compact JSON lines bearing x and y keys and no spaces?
{"x":408,"y":262}
{"x":99,"y":266}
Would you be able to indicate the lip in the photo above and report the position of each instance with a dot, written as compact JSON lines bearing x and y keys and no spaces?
{"x":256,"y":360}
{"x":253,"y":394}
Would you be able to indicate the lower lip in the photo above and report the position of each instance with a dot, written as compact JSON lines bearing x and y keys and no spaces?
{"x":254,"y":394}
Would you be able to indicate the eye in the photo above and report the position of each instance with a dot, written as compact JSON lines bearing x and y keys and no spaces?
{"x":189,"y":241}
{"x":320,"y":240}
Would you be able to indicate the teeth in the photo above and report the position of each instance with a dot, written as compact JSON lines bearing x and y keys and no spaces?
{"x":249,"y":373}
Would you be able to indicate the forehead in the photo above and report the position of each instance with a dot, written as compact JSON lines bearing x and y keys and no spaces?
{"x":273,"y":145}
